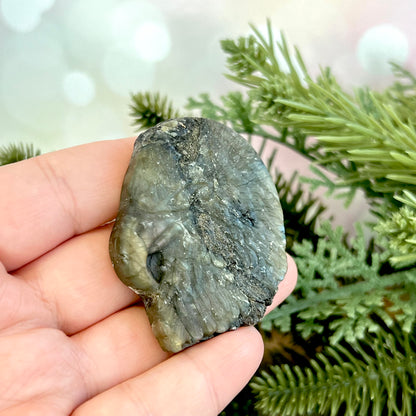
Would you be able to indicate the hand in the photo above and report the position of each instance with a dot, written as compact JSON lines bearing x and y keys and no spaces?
{"x":73,"y":338}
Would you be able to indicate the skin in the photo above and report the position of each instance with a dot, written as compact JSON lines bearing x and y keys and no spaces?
{"x":74,"y":339}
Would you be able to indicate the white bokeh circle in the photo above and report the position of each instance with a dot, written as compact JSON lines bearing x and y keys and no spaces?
{"x":381,"y":45}
{"x":152,"y":41}
{"x":78,"y":88}
{"x":31,"y":79}
{"x":24,"y":15}
{"x":125,"y":73}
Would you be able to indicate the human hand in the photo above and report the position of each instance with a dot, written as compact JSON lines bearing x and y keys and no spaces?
{"x":73,"y":338}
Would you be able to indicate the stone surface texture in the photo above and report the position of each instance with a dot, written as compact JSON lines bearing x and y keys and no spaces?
{"x":199,"y":234}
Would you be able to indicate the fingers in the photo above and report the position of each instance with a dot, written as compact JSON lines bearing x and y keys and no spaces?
{"x":83,"y":279}
{"x":57,"y":195}
{"x":18,"y":304}
{"x":38,"y":364}
{"x":123,"y":345}
{"x":118,"y":348}
{"x":200,"y":380}
{"x":77,"y":282}
{"x":78,"y":276}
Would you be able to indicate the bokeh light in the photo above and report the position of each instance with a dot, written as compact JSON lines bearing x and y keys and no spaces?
{"x":125,"y":67}
{"x":79,"y":88}
{"x":124,"y":72}
{"x":63,"y":64}
{"x":31,"y":78}
{"x":381,"y":45}
{"x":152,"y":41}
{"x":24,"y":15}
{"x":87,"y":31}
{"x":127,"y":16}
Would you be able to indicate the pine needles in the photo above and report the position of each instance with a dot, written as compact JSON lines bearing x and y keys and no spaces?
{"x":398,"y":233}
{"x":342,"y":290}
{"x":367,"y":140}
{"x":16,"y":152}
{"x":149,"y":109}
{"x":352,"y":381}
{"x":361,"y":136}
{"x":302,"y":211}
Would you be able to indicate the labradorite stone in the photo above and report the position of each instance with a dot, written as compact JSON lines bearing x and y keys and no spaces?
{"x":199,"y":234}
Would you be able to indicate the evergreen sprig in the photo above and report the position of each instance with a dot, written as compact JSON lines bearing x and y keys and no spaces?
{"x":357,"y":380}
{"x":240,"y":112}
{"x":362,"y":136}
{"x":367,"y":139}
{"x":402,"y":94}
{"x":302,"y":211}
{"x":398,"y":234}
{"x":236,"y":110}
{"x":341,"y":290}
{"x":149,"y":109}
{"x":16,"y":152}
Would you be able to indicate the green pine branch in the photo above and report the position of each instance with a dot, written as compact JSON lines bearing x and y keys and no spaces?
{"x":398,"y":234}
{"x":240,"y":112}
{"x":402,"y":94}
{"x":16,"y":152}
{"x":321,"y":179}
{"x":343,"y":291}
{"x":302,"y":211}
{"x":148,"y":109}
{"x":366,"y":379}
{"x":364,"y":139}
{"x":236,"y":110}
{"x":367,"y":139}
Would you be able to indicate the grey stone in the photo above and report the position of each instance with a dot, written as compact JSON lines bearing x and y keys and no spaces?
{"x":199,"y":234}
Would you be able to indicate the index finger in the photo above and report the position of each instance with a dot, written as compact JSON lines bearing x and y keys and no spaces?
{"x":50,"y":198}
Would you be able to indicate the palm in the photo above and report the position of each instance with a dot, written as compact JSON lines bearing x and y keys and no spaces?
{"x":55,"y":339}
{"x":39,"y":360}
{"x":72,"y":337}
